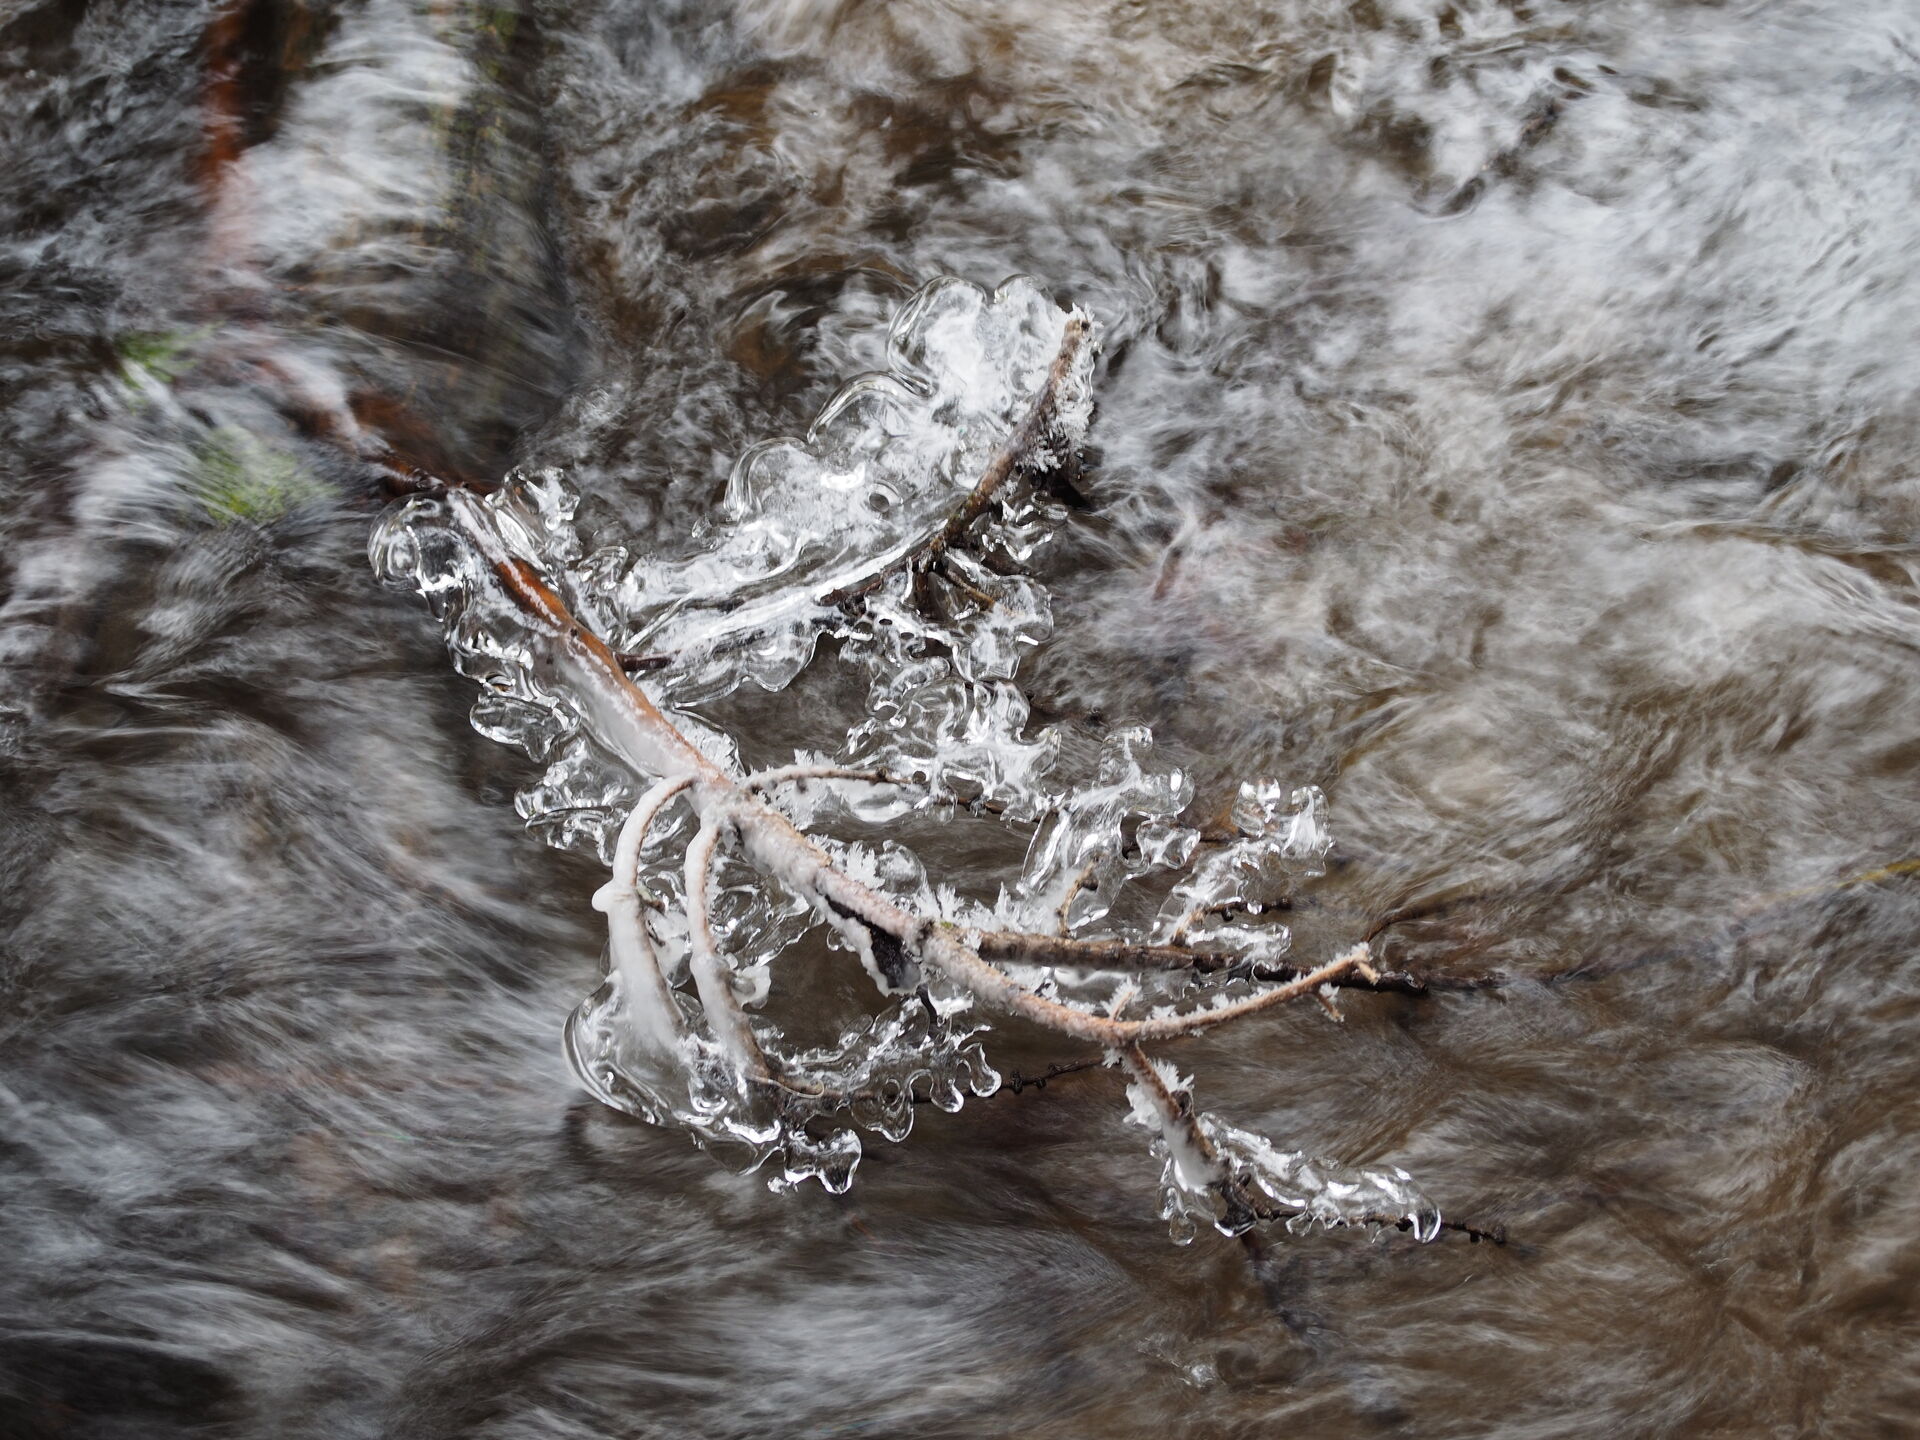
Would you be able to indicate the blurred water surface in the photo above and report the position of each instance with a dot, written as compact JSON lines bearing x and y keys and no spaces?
{"x":1508,"y":423}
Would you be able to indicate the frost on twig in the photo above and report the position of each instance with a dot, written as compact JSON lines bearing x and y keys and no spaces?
{"x":897,"y":526}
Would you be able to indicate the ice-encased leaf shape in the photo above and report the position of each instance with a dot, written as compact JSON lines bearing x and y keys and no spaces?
{"x":875,"y":478}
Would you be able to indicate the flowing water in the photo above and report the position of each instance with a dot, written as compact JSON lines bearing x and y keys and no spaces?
{"x":1506,"y":424}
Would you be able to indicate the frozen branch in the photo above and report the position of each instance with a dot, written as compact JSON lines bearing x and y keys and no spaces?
{"x":630,"y":724}
{"x":634,"y":957}
{"x":711,"y":978}
{"x":934,"y":970}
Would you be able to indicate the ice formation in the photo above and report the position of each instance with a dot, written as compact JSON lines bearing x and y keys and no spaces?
{"x":1264,"y":1181}
{"x":826,"y":536}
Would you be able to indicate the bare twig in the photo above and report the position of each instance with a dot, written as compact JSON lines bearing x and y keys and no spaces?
{"x":1015,"y":1082}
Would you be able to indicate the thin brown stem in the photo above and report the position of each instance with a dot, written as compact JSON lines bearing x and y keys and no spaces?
{"x":1016,"y":1082}
{"x":960,"y":582}
{"x":1031,"y":434}
{"x":1074,"y":887}
{"x":961,"y":964}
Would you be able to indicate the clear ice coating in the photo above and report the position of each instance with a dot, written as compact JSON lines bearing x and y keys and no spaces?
{"x":874,"y":479}
{"x":1297,"y":1189}
{"x":812,"y":541}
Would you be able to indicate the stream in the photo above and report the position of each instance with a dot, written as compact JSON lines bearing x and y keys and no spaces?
{"x":1507,"y":420}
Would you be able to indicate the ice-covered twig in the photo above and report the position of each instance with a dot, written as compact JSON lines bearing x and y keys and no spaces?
{"x":634,"y":957}
{"x":711,"y":979}
{"x":1030,"y":445}
{"x":1064,"y":910}
{"x":1031,"y":438}
{"x":1021,"y":947}
{"x":1192,"y":1152}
